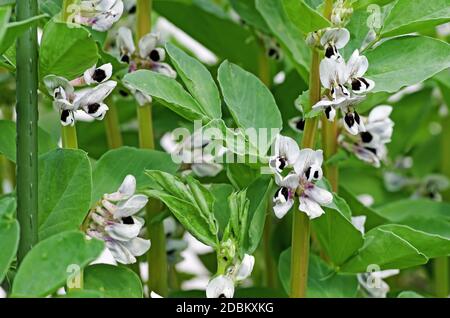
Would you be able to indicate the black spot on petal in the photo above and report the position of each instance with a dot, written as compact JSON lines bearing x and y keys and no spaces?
{"x":308,"y":172}
{"x":128,"y":220}
{"x":64,"y":115}
{"x":372,"y":150}
{"x":357,"y":118}
{"x":154,"y":56}
{"x":328,"y":111}
{"x":99,"y":75}
{"x":300,"y":124}
{"x":132,"y":10}
{"x":93,"y":108}
{"x":123,"y":93}
{"x":356,"y":84}
{"x":349,"y":119}
{"x":222,"y":296}
{"x":283,"y":163}
{"x":330,"y":51}
{"x":125,"y":58}
{"x":366,"y":137}
{"x":316,"y":174}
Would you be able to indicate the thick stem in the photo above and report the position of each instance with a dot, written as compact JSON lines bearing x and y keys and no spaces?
{"x":270,"y":268}
{"x":156,"y":257}
{"x":27,"y":118}
{"x":112,"y":126}
{"x":300,"y":222}
{"x":441,"y":277}
{"x":330,"y":148}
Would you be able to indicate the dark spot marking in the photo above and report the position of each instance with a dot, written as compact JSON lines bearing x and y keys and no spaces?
{"x":64,"y":115}
{"x":127,"y":220}
{"x":357,"y":118}
{"x":366,"y":137}
{"x":132,"y":10}
{"x":372,"y":150}
{"x":349,"y":119}
{"x":308,"y":172}
{"x":123,"y":93}
{"x":125,"y":58}
{"x":222,"y":296}
{"x":283,"y":163}
{"x":316,"y":174}
{"x":93,"y":108}
{"x":356,"y":84}
{"x":99,"y":75}
{"x":154,"y":56}
{"x":300,"y":124}
{"x":329,"y":52}
{"x":328,"y":111}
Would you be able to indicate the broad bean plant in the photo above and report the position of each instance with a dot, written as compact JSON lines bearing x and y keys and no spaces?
{"x":224,"y":148}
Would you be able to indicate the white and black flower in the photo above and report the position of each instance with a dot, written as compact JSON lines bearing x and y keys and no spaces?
{"x":334,"y":39}
{"x":91,"y":100}
{"x":97,"y":75}
{"x":286,"y":152}
{"x":222,"y":286}
{"x":114,"y":220}
{"x":356,"y":67}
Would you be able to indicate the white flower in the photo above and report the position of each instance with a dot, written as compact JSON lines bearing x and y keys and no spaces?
{"x":91,"y":99}
{"x":113,"y":220}
{"x":297,"y":124}
{"x":378,"y":129}
{"x":245,"y":267}
{"x":99,"y":14}
{"x":286,"y":153}
{"x":373,"y":283}
{"x":312,"y":197}
{"x":334,"y":39}
{"x":356,"y":67}
{"x":193,"y":153}
{"x":125,"y":43}
{"x":97,"y":75}
{"x":221,"y":286}
{"x":358,"y":222}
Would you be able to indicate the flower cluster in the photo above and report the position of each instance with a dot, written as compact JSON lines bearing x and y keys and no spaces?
{"x":197,"y":153}
{"x":222,"y":286}
{"x":148,"y":55}
{"x":114,"y":221}
{"x":305,"y":170}
{"x":370,"y":145}
{"x":87,"y":100}
{"x":99,"y":14}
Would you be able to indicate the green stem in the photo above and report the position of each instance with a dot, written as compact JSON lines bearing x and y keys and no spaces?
{"x":69,"y":137}
{"x":300,"y":223}
{"x":27,"y":118}
{"x":270,"y":268}
{"x":156,"y":256}
{"x":441,"y":277}
{"x":441,"y":265}
{"x":330,"y":148}
{"x":112,"y":126}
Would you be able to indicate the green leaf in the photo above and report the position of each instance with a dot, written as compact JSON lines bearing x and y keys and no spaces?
{"x":221,"y":193}
{"x":424,"y":215}
{"x":9,"y":238}
{"x":405,"y":61}
{"x":373,"y":219}
{"x":358,"y":28}
{"x":409,"y":294}
{"x":197,"y":80}
{"x":65,"y":183}
{"x":188,"y":215}
{"x":323,"y":282}
{"x":258,"y":193}
{"x":250,"y":102}
{"x":305,"y":18}
{"x":406,"y":18}
{"x":167,"y":91}
{"x":15,"y":29}
{"x":210,"y":25}
{"x":8,"y":207}
{"x":45,"y":268}
{"x":115,"y":165}
{"x":241,"y":175}
{"x":112,"y":281}
{"x":287,"y":34}
{"x":8,"y":140}
{"x":192,"y":205}
{"x":66,"y":50}
{"x":364,"y":3}
{"x":332,"y":225}
{"x":386,"y":250}
{"x":5,"y":13}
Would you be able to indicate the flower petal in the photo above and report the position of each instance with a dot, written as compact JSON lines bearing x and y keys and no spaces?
{"x":120,"y":253}
{"x":131,"y":206}
{"x":321,"y":196}
{"x":246,"y":267}
{"x":147,"y":44}
{"x":206,"y":169}
{"x":125,"y":41}
{"x":125,"y":232}
{"x":137,"y":246}
{"x":280,"y":209}
{"x":310,"y":207}
{"x":94,"y":95}
{"x":220,"y":287}
{"x":380,"y":113}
